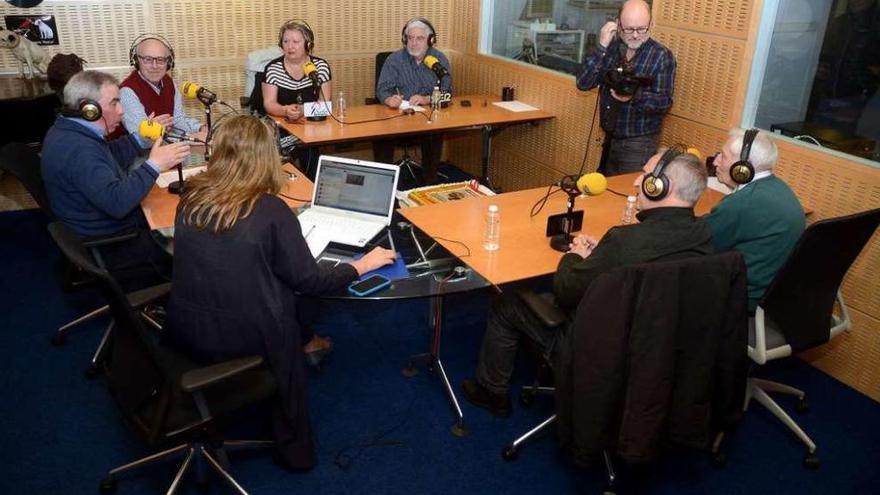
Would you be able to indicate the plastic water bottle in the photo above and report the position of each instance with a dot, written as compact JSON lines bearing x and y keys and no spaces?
{"x":435,"y":98}
{"x":493,"y":229}
{"x":340,"y":105}
{"x":629,"y":211}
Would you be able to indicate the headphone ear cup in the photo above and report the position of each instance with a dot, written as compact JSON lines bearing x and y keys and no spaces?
{"x":655,"y":188}
{"x":90,"y":110}
{"x":742,"y":172}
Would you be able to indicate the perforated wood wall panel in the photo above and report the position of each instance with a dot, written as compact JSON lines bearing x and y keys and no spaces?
{"x":705,"y":90}
{"x":720,"y":17}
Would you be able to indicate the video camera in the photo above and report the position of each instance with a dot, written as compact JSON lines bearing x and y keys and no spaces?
{"x":624,"y":81}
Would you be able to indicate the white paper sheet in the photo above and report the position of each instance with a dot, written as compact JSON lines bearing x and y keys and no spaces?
{"x":170,"y":176}
{"x":514,"y":106}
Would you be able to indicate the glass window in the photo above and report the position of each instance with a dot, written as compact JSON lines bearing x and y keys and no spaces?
{"x":820,"y":79}
{"x":557,"y":34}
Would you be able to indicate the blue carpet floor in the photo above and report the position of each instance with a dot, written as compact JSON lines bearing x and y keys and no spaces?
{"x":377,"y":431}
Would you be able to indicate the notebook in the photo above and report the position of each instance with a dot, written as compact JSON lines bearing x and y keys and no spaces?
{"x":352,"y":201}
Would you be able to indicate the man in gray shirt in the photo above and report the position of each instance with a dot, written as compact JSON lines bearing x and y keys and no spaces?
{"x":405,"y":80}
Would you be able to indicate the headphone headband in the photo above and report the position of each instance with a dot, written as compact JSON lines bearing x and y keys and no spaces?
{"x":132,"y":50}
{"x":432,"y":36}
{"x":298,"y":25}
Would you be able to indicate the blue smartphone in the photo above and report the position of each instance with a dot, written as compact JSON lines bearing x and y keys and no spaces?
{"x":369,"y":285}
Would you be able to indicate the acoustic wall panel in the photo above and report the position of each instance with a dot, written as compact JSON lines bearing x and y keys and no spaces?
{"x":706,"y":83}
{"x":717,"y":17}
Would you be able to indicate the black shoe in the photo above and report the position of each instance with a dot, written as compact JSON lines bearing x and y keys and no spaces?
{"x":478,"y":395}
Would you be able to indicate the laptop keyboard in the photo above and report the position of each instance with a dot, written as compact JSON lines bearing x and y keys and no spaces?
{"x":339,"y":228}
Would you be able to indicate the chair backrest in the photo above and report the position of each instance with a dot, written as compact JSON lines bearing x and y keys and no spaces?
{"x":800,"y":300}
{"x":23,"y":162}
{"x":656,"y":351}
{"x":381,"y":57}
{"x":137,"y":367}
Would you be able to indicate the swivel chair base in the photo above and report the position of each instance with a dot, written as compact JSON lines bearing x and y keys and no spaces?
{"x":758,"y":389}
{"x":196,"y":451}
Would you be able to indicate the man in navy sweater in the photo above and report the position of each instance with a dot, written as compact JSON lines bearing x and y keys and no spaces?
{"x":89,"y":181}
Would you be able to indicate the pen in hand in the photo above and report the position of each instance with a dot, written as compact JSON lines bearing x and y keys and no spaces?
{"x":309,"y":232}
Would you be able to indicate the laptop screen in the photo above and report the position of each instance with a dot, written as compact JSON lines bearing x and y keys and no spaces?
{"x":354,"y":187}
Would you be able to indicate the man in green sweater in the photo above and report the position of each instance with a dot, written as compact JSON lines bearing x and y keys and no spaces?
{"x":668,"y":229}
{"x":761,"y":218}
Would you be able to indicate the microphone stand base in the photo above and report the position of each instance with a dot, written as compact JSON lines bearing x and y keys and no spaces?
{"x":319,"y":118}
{"x":176,"y":187}
{"x":560,"y":242}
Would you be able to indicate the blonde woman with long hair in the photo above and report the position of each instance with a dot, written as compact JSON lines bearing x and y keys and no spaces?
{"x":240,"y":260}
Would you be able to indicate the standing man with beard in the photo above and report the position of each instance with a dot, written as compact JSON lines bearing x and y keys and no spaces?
{"x":405,"y":79}
{"x":631,"y":122}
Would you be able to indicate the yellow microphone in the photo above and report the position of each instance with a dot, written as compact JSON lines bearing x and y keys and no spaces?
{"x":150,"y":129}
{"x":592,"y":184}
{"x":434,"y":64}
{"x":311,"y":71}
{"x":193,"y":90}
{"x":696,"y":153}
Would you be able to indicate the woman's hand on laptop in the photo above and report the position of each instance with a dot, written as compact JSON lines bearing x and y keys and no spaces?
{"x":376,"y":258}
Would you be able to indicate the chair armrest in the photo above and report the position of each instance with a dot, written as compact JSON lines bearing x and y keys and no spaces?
{"x":139,"y":298}
{"x":549,"y":314}
{"x":94,"y":242}
{"x":194,"y":380}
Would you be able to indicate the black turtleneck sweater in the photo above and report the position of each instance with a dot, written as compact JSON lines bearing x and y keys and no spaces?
{"x":662,"y":233}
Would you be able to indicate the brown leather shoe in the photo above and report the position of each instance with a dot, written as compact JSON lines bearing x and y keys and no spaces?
{"x":478,"y":395}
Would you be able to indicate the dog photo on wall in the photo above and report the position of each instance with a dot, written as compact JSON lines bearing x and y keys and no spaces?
{"x":41,"y":29}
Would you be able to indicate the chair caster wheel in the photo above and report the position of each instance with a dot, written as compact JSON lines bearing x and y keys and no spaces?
{"x":410,"y":371}
{"x":526,"y":399}
{"x":802,"y":405}
{"x":811,"y":461}
{"x":92,"y":372}
{"x":107,"y":485}
{"x":58,"y":339}
{"x":459,"y":430}
{"x":718,"y":459}
{"x":509,"y":453}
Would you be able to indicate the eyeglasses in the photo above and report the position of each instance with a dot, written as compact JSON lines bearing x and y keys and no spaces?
{"x":153,"y":60}
{"x":633,"y":30}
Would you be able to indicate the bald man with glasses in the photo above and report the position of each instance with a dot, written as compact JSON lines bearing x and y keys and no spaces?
{"x":631,"y":122}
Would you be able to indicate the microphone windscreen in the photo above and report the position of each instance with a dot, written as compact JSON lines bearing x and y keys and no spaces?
{"x":308,"y":68}
{"x":430,"y":60}
{"x":151,"y":130}
{"x":696,"y":153}
{"x":592,"y":184}
{"x":189,"y":89}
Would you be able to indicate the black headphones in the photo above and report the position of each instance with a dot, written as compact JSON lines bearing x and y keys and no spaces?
{"x":304,"y":29}
{"x":432,"y":37}
{"x":87,"y":109}
{"x":132,"y":51}
{"x":656,"y":185}
{"x":742,"y":172}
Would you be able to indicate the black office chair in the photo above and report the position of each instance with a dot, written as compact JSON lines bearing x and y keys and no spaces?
{"x":163,"y":394}
{"x":797,"y":311}
{"x":635,"y":324}
{"x":23,"y":162}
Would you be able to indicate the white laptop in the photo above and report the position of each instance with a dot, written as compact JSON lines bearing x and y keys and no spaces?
{"x":353,"y":200}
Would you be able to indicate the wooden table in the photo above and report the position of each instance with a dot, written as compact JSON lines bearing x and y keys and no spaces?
{"x":369,"y":122}
{"x":525,"y":251}
{"x":160,"y":206}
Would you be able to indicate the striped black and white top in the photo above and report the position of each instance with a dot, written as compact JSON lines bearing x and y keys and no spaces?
{"x":292,"y":90}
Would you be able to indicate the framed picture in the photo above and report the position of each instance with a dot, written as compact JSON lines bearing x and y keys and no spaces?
{"x":41,"y":29}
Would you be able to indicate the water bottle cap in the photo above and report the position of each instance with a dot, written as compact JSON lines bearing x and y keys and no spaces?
{"x":630,"y":199}
{"x":493,"y":208}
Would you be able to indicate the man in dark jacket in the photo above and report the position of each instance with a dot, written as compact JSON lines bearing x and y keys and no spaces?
{"x":668,"y":229}
{"x":88,"y":179}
